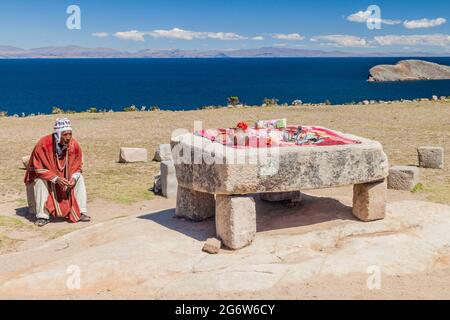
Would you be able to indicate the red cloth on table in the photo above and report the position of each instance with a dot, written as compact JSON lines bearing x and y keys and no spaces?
{"x":221,"y":136}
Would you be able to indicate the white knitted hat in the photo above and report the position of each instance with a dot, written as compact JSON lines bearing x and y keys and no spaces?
{"x":62,"y":124}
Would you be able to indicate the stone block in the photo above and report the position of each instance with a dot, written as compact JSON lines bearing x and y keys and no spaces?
{"x":235,"y":220}
{"x":25,"y":161}
{"x":130,"y":155}
{"x":169,"y":184}
{"x":369,"y":200}
{"x":194,"y":205}
{"x":163,"y":153}
{"x":403,"y":177}
{"x":431,"y":157}
{"x":212,"y":245}
{"x":261,"y":170}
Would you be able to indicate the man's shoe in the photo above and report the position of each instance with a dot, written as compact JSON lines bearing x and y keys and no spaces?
{"x":85,"y":218}
{"x":41,"y":222}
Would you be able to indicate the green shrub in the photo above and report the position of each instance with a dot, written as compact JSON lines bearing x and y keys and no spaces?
{"x":130,"y":108}
{"x":418,"y":187}
{"x":57,"y":110}
{"x":233,"y":100}
{"x":154,"y":108}
{"x":92,"y":110}
{"x":270,"y":101}
{"x":3,"y":114}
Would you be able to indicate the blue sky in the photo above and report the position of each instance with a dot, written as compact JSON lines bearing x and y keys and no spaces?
{"x":199,"y":24}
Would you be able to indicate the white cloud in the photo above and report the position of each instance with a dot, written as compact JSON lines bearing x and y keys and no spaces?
{"x":177,"y":33}
{"x":134,"y":35}
{"x":258,"y":38}
{"x":339,"y":40}
{"x":389,"y":22}
{"x":363,"y":16}
{"x":360,"y":16}
{"x":413,"y":40}
{"x":290,"y":37}
{"x":100,"y":34}
{"x":224,"y":36}
{"x":424,"y":23}
{"x":174,"y":33}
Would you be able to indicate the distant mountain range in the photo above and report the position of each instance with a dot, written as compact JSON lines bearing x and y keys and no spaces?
{"x":9,"y":52}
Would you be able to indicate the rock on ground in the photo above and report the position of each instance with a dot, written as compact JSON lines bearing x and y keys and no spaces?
{"x":25,"y":161}
{"x":431,"y":157}
{"x":130,"y":155}
{"x":403,"y":177}
{"x":212,"y":245}
{"x":163,"y":153}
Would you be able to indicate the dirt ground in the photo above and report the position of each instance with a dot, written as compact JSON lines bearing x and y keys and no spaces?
{"x":117,"y":191}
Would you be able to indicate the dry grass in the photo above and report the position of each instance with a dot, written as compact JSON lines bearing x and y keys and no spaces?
{"x":8,"y":244}
{"x":14,"y":223}
{"x":399,"y":127}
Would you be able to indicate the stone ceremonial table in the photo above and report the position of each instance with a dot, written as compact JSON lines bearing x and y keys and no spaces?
{"x":221,"y":180}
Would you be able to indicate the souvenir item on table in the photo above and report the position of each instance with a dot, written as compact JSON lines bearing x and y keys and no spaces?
{"x":271,"y":124}
{"x":301,"y":136}
{"x":242,"y":125}
{"x":287,"y":137}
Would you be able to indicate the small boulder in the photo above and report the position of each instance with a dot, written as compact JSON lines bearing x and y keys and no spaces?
{"x":163,"y":153}
{"x":212,"y":245}
{"x":131,"y":155}
{"x":25,"y":161}
{"x":366,"y":102}
{"x":431,"y":157}
{"x":403,"y":178}
{"x":434,"y":98}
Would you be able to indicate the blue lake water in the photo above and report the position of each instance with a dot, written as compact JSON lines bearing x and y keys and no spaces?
{"x":36,"y":85}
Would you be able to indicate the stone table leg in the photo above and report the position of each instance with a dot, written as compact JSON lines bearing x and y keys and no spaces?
{"x":235,"y":220}
{"x":369,"y":200}
{"x":194,"y":205}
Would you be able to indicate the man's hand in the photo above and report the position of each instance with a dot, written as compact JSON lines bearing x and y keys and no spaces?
{"x":72,"y":183}
{"x":63,"y":182}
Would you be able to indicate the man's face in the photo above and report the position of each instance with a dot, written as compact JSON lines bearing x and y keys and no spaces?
{"x":66,"y":136}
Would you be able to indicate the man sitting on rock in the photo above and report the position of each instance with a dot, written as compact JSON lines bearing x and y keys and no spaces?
{"x":55,"y":186}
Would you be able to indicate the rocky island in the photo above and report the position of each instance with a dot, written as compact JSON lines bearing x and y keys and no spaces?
{"x":406,"y":70}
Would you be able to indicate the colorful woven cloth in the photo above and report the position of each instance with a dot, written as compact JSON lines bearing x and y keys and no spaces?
{"x":255,"y":138}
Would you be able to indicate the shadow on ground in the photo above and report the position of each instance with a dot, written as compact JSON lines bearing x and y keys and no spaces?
{"x":24,"y":213}
{"x":269,"y":216}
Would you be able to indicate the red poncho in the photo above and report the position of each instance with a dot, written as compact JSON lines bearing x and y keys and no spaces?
{"x":44,"y":165}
